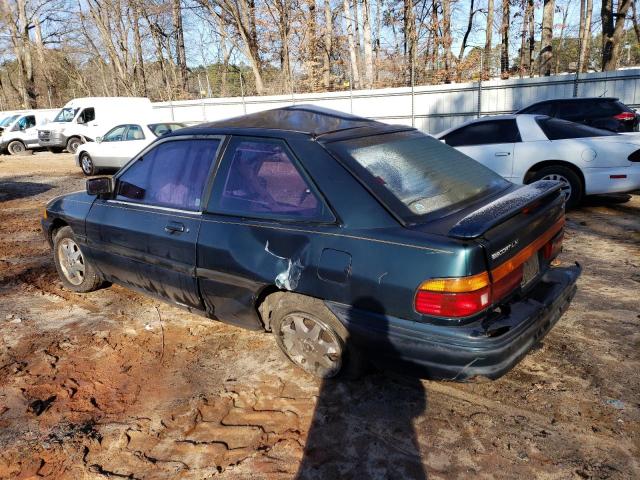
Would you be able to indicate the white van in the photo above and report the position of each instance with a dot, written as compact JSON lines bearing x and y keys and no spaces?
{"x":83,"y":119}
{"x":20,"y":132}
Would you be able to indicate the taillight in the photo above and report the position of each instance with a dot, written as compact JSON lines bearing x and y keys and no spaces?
{"x":464,"y":296}
{"x":553,"y":247}
{"x":625,"y":116}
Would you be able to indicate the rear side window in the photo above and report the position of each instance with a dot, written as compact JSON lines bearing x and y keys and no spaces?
{"x":160,"y":129}
{"x":607,"y":108}
{"x":484,"y":133}
{"x":557,"y":129}
{"x":173,"y":174}
{"x":135,"y":133}
{"x":415,"y":174}
{"x":259,"y":177}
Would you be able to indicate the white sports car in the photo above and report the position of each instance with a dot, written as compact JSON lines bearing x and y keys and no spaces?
{"x":119,"y":145}
{"x":524,"y":148}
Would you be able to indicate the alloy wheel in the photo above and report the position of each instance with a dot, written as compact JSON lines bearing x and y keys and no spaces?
{"x":565,"y":186}
{"x":71,"y":261}
{"x":87,"y":164}
{"x":311,"y":344}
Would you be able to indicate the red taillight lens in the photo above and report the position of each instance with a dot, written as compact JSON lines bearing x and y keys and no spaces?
{"x":460,"y":304}
{"x":625,"y":116}
{"x":506,"y":284}
{"x":553,"y":247}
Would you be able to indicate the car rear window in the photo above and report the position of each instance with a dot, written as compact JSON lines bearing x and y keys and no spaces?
{"x":415,"y":174}
{"x":557,"y":129}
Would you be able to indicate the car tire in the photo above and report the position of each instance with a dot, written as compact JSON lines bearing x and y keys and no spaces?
{"x":312,"y":338}
{"x":86,"y":164}
{"x":572,"y":184}
{"x":76,"y":272}
{"x":16,"y":147}
{"x":72,"y":144}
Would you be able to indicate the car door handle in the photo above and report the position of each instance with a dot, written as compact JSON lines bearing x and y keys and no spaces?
{"x":502,"y":154}
{"x":174,"y":227}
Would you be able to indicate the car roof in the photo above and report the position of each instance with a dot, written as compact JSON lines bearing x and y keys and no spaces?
{"x":306,"y":119}
{"x":571,"y":99}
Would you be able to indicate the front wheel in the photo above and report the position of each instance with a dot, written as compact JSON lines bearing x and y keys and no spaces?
{"x":73,"y":144}
{"x":86,"y":163}
{"x":16,"y":147}
{"x":313,"y":338}
{"x":570,"y":182}
{"x":75,"y":271}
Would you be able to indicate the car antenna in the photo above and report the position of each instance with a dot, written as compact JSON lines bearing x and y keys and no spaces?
{"x":603,"y":94}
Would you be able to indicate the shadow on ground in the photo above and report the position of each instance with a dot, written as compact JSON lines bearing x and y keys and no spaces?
{"x":12,"y":190}
{"x":364,"y":429}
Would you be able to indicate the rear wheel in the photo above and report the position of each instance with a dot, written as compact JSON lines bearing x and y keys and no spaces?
{"x":313,"y":338}
{"x":571,"y":183}
{"x":16,"y":147}
{"x":73,"y":144}
{"x":75,"y":271}
{"x":86,"y":163}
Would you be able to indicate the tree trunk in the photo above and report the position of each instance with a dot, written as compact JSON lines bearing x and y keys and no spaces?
{"x":524,"y":65}
{"x":612,"y":32}
{"x":328,"y":28}
{"x":181,"y":57}
{"x":368,"y":47}
{"x":585,"y":41}
{"x":487,"y":42}
{"x":504,"y":47}
{"x":532,"y":36}
{"x":356,"y":33}
{"x":467,"y":32}
{"x":139,"y":69}
{"x":379,"y":6}
{"x":546,"y":37}
{"x":353,"y":58}
{"x":410,"y":40}
{"x":446,"y":39}
{"x":634,"y":19}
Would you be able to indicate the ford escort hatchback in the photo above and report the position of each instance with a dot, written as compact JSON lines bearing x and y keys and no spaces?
{"x":349,"y":239}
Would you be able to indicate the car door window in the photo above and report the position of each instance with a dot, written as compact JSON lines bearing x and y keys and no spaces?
{"x":134,"y":133}
{"x":260,"y":178}
{"x":115,"y":134}
{"x":173,"y":174}
{"x":87,"y":115}
{"x":484,"y":133}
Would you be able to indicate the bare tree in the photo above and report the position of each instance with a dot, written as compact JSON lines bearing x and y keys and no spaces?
{"x":612,"y":32}
{"x":353,"y":59}
{"x":328,"y":43}
{"x":488,"y":39}
{"x":546,"y":38}
{"x":504,"y":46}
{"x":368,"y":46}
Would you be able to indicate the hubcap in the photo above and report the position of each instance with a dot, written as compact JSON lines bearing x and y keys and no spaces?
{"x":311,"y":344}
{"x":565,"y":186}
{"x":86,"y":164}
{"x":17,"y":148}
{"x":73,"y":146}
{"x":71,"y":261}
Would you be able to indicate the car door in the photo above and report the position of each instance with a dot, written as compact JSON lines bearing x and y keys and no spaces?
{"x":254,"y":229}
{"x":133,"y":142}
{"x":145,"y":235}
{"x":105,"y":155}
{"x":30,"y":131}
{"x":490,"y":142}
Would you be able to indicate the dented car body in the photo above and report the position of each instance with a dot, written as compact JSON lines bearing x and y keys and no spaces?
{"x":425,"y":258}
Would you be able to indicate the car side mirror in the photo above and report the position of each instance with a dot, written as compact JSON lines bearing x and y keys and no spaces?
{"x":98,"y":139}
{"x":99,"y":186}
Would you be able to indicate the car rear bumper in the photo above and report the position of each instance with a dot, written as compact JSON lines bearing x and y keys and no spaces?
{"x":599,"y":180}
{"x":483,"y":348}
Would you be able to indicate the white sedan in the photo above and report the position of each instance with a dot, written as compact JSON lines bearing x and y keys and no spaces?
{"x":524,"y":148}
{"x":119,"y":145}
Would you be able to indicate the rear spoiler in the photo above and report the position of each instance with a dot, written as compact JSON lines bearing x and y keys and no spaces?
{"x":490,"y":215}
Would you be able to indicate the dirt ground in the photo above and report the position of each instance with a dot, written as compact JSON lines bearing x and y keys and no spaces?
{"x":113,"y":385}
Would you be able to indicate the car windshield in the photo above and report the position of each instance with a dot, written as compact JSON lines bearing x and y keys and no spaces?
{"x":160,"y":129}
{"x":7,"y":120}
{"x":421,"y":173}
{"x":66,"y":114}
{"x":557,"y":129}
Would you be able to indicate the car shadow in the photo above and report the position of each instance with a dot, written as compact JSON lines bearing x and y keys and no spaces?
{"x":13,"y":190}
{"x":364,"y":428}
